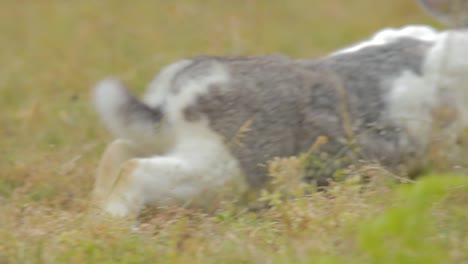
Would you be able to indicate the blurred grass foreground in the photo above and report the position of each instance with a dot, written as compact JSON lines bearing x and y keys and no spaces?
{"x":51,"y":53}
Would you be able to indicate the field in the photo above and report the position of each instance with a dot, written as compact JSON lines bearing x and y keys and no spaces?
{"x":51,"y":54}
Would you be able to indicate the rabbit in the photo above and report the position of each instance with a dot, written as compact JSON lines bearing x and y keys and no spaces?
{"x":207,"y":126}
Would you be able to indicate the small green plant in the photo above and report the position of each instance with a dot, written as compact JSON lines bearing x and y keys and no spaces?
{"x":408,"y":232}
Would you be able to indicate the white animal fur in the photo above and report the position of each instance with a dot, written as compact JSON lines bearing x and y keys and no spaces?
{"x":159,"y":87}
{"x":444,"y":80}
{"x":389,"y":35}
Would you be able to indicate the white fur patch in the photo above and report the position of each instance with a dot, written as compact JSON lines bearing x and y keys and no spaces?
{"x":108,"y":96}
{"x":447,"y":65}
{"x":389,"y":35}
{"x":411,"y":101}
{"x":158,"y":89}
{"x":444,"y":80}
{"x":192,"y":172}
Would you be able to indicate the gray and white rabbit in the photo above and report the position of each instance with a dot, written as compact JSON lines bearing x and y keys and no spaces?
{"x":208,"y":125}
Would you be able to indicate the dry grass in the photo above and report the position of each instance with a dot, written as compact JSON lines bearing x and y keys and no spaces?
{"x":53,"y":51}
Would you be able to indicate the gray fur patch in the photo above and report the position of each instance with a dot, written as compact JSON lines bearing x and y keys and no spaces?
{"x":134,"y":111}
{"x":281,"y":106}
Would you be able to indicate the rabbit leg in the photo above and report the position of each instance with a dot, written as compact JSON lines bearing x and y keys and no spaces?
{"x":175,"y":179}
{"x":116,"y":154}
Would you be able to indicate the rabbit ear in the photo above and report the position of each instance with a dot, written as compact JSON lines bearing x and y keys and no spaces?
{"x":453,"y":13}
{"x":436,"y":6}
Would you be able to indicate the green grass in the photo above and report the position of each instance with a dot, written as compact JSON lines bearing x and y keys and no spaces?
{"x":52,"y":52}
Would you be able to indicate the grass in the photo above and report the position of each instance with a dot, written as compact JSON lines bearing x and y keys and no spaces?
{"x":52,"y":52}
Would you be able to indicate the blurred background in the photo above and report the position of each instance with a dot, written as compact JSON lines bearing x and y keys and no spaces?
{"x":53,"y":51}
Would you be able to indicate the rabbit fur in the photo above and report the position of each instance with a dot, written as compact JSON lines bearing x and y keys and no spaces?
{"x":208,"y":125}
